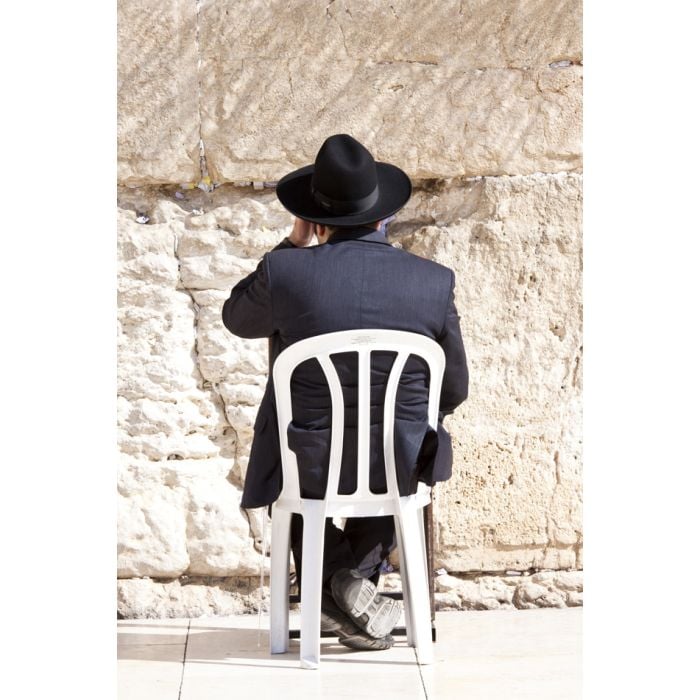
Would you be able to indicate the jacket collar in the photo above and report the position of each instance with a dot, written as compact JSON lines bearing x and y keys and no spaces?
{"x":358,"y":233}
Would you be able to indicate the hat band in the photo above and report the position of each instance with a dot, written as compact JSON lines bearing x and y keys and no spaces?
{"x":343,"y":206}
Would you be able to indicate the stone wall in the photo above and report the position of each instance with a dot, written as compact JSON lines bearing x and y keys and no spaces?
{"x":441,"y":88}
{"x":480,"y":102}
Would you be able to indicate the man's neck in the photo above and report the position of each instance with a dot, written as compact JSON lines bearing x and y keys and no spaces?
{"x":376,"y":226}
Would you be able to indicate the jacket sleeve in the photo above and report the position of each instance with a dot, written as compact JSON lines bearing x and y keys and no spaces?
{"x":455,"y":383}
{"x":247,"y":312}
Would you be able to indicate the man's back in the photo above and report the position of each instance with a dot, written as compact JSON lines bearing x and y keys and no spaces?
{"x":357,"y":280}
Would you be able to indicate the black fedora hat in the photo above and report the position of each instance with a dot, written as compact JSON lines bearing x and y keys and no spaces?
{"x":345,"y":186}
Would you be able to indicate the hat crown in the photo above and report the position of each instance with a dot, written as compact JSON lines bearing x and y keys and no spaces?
{"x":344,"y":169}
{"x":345,"y":186}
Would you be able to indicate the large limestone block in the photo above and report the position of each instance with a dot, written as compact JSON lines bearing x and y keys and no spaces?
{"x":514,"y":501}
{"x":182,"y":516}
{"x":475,"y":33}
{"x":157,"y":92}
{"x":441,"y":89}
{"x":166,"y":410}
{"x":151,"y":527}
{"x":448,"y":122}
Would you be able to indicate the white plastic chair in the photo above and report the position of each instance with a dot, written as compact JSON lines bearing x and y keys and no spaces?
{"x":407,"y":510}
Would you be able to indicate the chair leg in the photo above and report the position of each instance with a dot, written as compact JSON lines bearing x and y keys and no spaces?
{"x":429,"y":532}
{"x":421,"y":532}
{"x":417,"y":576}
{"x":279,"y":581}
{"x":312,"y":581}
{"x":404,"y":581}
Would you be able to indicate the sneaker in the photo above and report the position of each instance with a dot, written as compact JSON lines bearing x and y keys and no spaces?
{"x":358,"y":598}
{"x":333,"y":619}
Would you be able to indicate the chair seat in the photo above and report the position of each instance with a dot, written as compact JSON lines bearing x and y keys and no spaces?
{"x":348,"y":506}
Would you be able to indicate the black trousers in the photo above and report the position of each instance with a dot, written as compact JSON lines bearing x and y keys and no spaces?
{"x":362,"y":545}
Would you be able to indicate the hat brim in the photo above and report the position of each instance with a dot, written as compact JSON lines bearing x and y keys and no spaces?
{"x":294,"y":192}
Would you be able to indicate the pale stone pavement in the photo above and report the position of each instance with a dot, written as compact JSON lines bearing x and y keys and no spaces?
{"x":478,"y":655}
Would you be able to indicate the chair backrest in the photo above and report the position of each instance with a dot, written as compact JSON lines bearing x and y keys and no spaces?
{"x":363,"y":342}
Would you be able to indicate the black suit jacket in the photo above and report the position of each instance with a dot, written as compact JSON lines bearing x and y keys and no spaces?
{"x":356,"y":280}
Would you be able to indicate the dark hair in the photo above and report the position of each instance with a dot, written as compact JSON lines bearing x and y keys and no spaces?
{"x":333,"y":229}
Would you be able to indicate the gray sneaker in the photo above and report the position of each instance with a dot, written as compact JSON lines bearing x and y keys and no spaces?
{"x":333,"y":619}
{"x":358,"y":598}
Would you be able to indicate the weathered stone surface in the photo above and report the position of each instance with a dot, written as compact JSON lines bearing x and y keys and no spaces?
{"x":157,"y":92}
{"x":196,"y":596}
{"x":190,"y":390}
{"x":179,"y":478}
{"x":436,"y":120}
{"x":574,"y":598}
{"x":449,"y":600}
{"x":182,"y":516}
{"x":569,"y":581}
{"x":475,"y":33}
{"x":187,"y":597}
{"x":165,"y":408}
{"x":442,"y":89}
{"x":151,"y":525}
{"x":514,"y":501}
{"x":532,"y":595}
{"x":446,"y":583}
{"x":489,"y":592}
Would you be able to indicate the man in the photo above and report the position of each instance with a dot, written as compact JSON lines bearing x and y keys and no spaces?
{"x":354,"y":278}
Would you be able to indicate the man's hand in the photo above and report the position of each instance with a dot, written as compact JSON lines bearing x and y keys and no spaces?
{"x":302,"y":234}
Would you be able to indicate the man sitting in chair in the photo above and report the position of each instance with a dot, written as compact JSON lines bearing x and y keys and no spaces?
{"x":353,"y":278}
